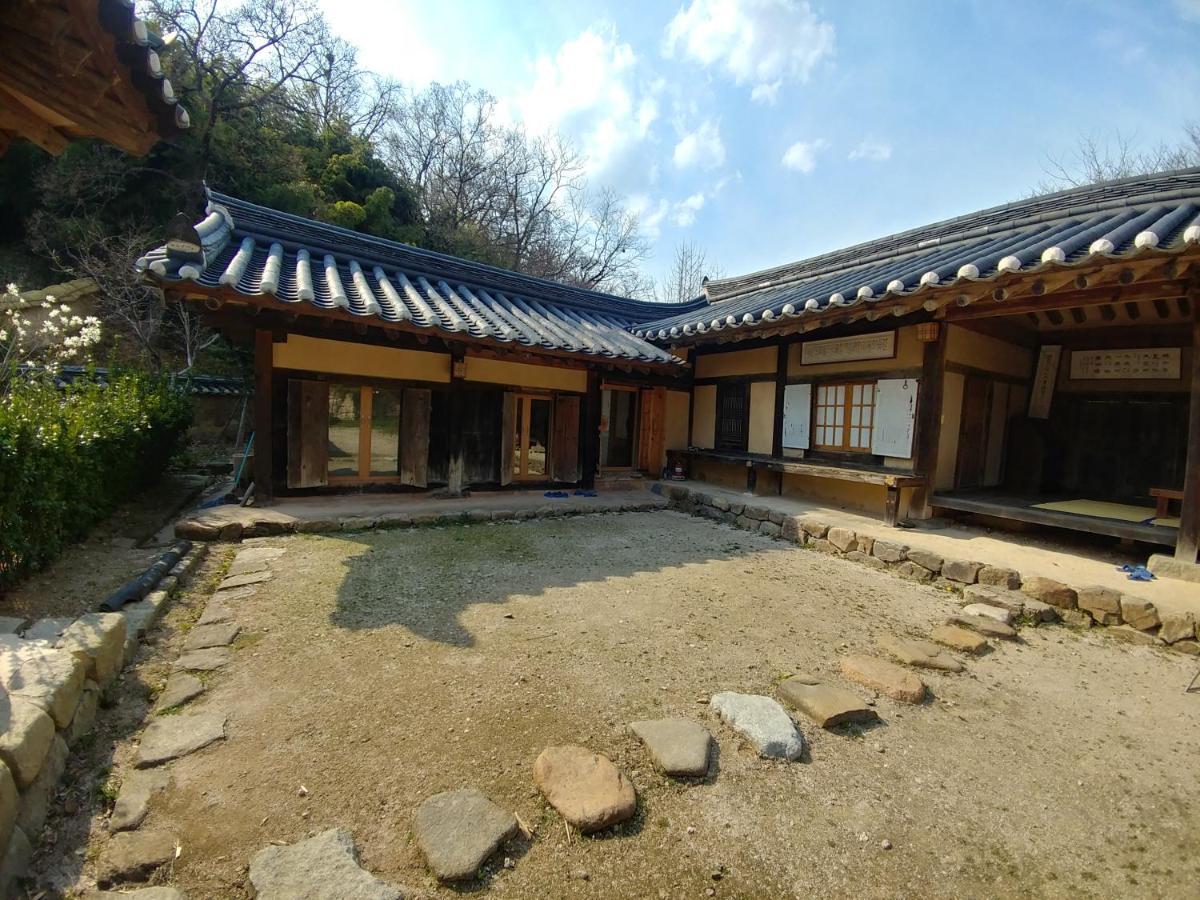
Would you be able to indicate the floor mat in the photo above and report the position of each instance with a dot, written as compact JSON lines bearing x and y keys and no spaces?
{"x":1102,"y":509}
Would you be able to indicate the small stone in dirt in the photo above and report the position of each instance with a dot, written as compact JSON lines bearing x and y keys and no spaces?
{"x":885,"y":844}
{"x":885,"y":677}
{"x":173,"y":736}
{"x":202,"y":637}
{"x":458,"y":830}
{"x":203,"y":660}
{"x":215,"y":612}
{"x":319,"y":868}
{"x":150,"y":893}
{"x":959,"y":638}
{"x":985,"y":625}
{"x":180,"y":688}
{"x":134,"y":855}
{"x":133,"y":802}
{"x":762,"y":721}
{"x":678,"y":746}
{"x":237,"y":581}
{"x":923,"y":654}
{"x":825,"y":704}
{"x":986,"y":609}
{"x":586,"y":788}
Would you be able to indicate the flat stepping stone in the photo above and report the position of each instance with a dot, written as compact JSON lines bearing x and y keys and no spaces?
{"x":923,"y":654}
{"x":458,"y":830}
{"x":320,"y":868}
{"x":133,"y":802}
{"x":203,"y":660}
{"x":985,"y":625}
{"x":10,"y":624}
{"x":237,"y":581}
{"x":586,"y":788}
{"x":215,"y":612}
{"x":825,"y":704}
{"x":258,"y":554}
{"x":150,"y":893}
{"x":992,"y":612}
{"x":134,"y":855}
{"x":678,"y":747}
{"x":887,"y":678}
{"x":238,"y":593}
{"x":762,"y":721}
{"x":957,"y":638}
{"x":202,"y":637}
{"x":174,"y":736}
{"x":1013,"y":601}
{"x":179,"y":689}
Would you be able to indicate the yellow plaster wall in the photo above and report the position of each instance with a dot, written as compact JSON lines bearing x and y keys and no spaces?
{"x":982,"y":351}
{"x":909,"y":355}
{"x":551,"y":378}
{"x":364,"y":360}
{"x":675,"y":424}
{"x":737,"y":362}
{"x":947,"y":458}
{"x":704,"y":417}
{"x":762,"y":417}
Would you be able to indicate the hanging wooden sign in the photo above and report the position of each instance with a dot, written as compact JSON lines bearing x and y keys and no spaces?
{"x":1044,"y":381}
{"x":849,"y":349}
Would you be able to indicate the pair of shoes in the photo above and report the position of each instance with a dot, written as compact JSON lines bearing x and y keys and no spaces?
{"x":555,"y":495}
{"x":582,"y":493}
{"x":1137,"y":573}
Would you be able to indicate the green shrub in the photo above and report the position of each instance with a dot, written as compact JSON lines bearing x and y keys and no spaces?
{"x":69,"y":457}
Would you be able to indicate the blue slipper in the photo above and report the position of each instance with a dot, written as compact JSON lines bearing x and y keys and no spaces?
{"x":1137,"y":573}
{"x":555,"y":495}
{"x":582,"y":493}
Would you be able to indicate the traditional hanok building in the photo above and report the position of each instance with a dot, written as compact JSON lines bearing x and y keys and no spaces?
{"x":74,"y":69}
{"x":1035,"y":362}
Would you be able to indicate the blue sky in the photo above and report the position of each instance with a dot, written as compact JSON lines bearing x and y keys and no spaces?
{"x":770,"y":130}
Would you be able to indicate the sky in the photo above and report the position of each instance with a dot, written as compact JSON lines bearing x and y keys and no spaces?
{"x":766,"y":131}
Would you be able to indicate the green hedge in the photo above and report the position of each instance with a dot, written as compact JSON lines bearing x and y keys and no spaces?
{"x":69,"y":457}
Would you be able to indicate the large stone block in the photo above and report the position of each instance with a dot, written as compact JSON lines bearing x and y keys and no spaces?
{"x":35,"y":799}
{"x":1141,"y":614}
{"x":8,"y":804}
{"x":914,"y":572}
{"x":51,"y":680}
{"x":842,"y":538}
{"x":998,"y":576}
{"x":889,"y":552}
{"x":960,"y":570}
{"x":26,"y":733}
{"x":926,"y":560}
{"x":814,"y":528}
{"x":1177,"y":627}
{"x":1050,"y":591}
{"x":98,"y":641}
{"x":1096,"y":599}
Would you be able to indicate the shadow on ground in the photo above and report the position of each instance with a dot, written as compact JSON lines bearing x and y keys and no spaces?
{"x":424,"y":579}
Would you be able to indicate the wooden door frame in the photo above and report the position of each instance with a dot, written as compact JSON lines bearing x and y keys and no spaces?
{"x":989,"y":385}
{"x":521,"y":439}
{"x":366,"y":402}
{"x":637,"y":392}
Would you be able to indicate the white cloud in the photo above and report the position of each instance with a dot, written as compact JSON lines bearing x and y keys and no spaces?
{"x":802,"y":155}
{"x":686,"y":210}
{"x":701,"y":148}
{"x":876,"y":151}
{"x":757,"y":42}
{"x":650,"y":214}
{"x":591,"y":91}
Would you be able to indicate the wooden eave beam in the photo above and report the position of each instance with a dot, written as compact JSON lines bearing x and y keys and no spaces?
{"x":1063,"y":300}
{"x":16,"y":117}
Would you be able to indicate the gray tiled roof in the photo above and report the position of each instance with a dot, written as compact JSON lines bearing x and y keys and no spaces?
{"x":137,"y":47}
{"x":260,"y":252}
{"x":1112,"y":220}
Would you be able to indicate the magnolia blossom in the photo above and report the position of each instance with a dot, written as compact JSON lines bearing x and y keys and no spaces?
{"x":56,"y":339}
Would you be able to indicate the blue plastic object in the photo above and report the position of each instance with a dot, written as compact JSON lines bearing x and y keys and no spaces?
{"x":555,"y":495}
{"x":1137,"y":573}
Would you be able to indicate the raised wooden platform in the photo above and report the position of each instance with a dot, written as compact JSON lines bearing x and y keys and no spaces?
{"x":1021,"y":509}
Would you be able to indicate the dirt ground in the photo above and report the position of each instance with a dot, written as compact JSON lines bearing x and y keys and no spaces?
{"x":379,"y":668}
{"x":116,"y":550}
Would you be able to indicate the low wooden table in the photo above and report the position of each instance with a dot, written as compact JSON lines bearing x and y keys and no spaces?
{"x":1163,"y":498}
{"x":893,"y":481}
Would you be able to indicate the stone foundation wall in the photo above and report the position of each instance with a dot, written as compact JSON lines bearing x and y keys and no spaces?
{"x":1130,"y":618}
{"x":52,"y":673}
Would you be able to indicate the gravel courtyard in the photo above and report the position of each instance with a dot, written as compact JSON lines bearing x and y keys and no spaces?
{"x":376,"y":669}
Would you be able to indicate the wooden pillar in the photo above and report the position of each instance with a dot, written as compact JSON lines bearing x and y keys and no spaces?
{"x":264,"y":449}
{"x":455,"y":449}
{"x":929,"y":420}
{"x":1187,"y":545}
{"x":589,"y":428}
{"x":781,"y":361}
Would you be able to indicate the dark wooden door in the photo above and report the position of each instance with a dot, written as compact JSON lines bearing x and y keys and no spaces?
{"x":733,"y":416}
{"x":973,"y":433}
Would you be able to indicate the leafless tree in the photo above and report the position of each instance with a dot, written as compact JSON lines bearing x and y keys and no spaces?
{"x":1104,"y":158}
{"x":689,"y":268}
{"x":238,"y":55}
{"x":330,"y":89}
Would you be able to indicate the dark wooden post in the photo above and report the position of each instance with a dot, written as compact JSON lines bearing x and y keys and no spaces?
{"x":456,"y":452}
{"x":589,"y":432}
{"x":781,"y":362}
{"x":1187,"y":544}
{"x":929,"y":418}
{"x":264,"y":449}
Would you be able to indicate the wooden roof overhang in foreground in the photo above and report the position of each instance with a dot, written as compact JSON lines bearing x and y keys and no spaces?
{"x":252,"y":268}
{"x":74,"y":69}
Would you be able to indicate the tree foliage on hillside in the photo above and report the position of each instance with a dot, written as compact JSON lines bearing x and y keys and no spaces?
{"x":283,"y":115}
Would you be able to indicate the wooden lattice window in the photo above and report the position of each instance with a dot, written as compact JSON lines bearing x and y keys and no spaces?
{"x":733,"y":416}
{"x":843,"y":414}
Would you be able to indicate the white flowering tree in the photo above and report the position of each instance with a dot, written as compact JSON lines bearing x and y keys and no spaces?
{"x":43,"y":335}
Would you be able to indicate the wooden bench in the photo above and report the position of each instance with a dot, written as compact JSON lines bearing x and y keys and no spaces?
{"x":1163,"y":498}
{"x":893,"y":481}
